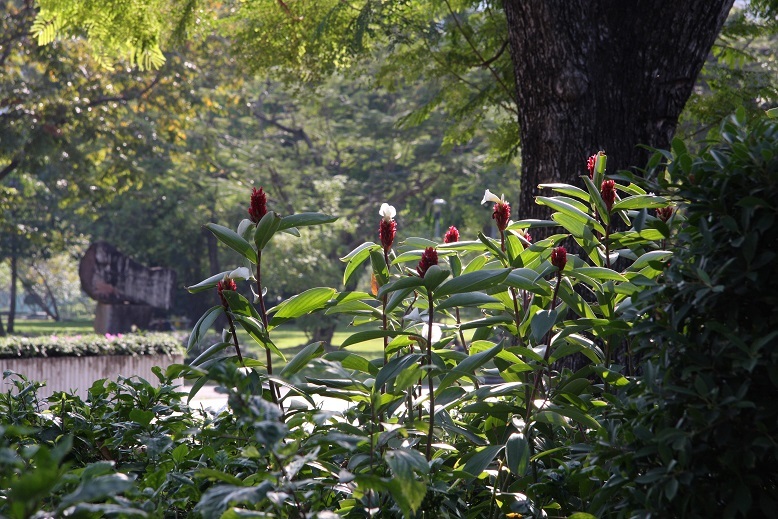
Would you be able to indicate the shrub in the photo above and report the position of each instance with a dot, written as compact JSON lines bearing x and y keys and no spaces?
{"x":90,"y":345}
{"x":697,"y":436}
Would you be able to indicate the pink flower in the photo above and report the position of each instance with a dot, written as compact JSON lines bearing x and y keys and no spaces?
{"x":608,"y":193}
{"x":452,"y":235}
{"x":502,"y":209}
{"x":428,"y":258}
{"x":590,"y":163}
{"x":258,"y":207}
{"x":559,"y":258}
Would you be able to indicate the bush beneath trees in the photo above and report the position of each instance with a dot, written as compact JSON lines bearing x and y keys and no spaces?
{"x":448,"y":427}
{"x":89,"y":345}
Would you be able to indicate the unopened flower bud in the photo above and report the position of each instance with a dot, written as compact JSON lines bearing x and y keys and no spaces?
{"x":452,"y":235}
{"x":428,"y":258}
{"x":258,"y":207}
{"x":559,"y":258}
{"x":590,"y":163}
{"x":221,"y":286}
{"x":608,"y":193}
{"x":502,"y":214}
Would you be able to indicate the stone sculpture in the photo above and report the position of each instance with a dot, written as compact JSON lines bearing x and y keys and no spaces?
{"x":126,"y":291}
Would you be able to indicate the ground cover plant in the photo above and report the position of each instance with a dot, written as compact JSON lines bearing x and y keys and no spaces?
{"x":444,"y":424}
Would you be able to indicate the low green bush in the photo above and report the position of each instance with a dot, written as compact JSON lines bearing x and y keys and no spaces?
{"x":90,"y":345}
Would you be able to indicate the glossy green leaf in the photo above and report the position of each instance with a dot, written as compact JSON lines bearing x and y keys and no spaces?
{"x":467,"y":367}
{"x":305,"y":220}
{"x":400,"y":284}
{"x":305,"y":303}
{"x":465,"y":300}
{"x":541,"y":323}
{"x":369,"y":335}
{"x":434,"y":276}
{"x":480,"y":459}
{"x":203,"y":325}
{"x":352,"y":361}
{"x":299,"y":361}
{"x":601,"y":273}
{"x":233,"y":240}
{"x":472,"y":282}
{"x":517,"y":453}
{"x":394,"y":367}
{"x":266,"y":228}
{"x":640,"y":202}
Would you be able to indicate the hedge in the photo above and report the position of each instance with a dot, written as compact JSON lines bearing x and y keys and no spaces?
{"x":90,"y":345}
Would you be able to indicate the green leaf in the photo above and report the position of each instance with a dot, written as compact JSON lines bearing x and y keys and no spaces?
{"x":380,"y":268}
{"x":210,"y":283}
{"x":434,"y":277}
{"x":611,"y":377}
{"x":569,"y":190}
{"x":466,"y":299}
{"x":98,"y":488}
{"x":467,"y":367}
{"x":210,"y":352}
{"x":600,"y":273}
{"x":141,"y":416}
{"x":305,"y":303}
{"x":352,"y":361}
{"x":399,"y":284}
{"x":650,"y":257}
{"x":266,"y":228}
{"x":406,"y":490}
{"x":203,"y":325}
{"x":356,"y":257}
{"x":299,"y":361}
{"x":596,"y":198}
{"x":394,"y":367}
{"x":640,"y":202}
{"x":541,"y":323}
{"x":239,"y":305}
{"x":305,"y":220}
{"x":480,"y":459}
{"x":233,"y":240}
{"x":517,"y":453}
{"x":472,"y":282}
{"x":569,"y":209}
{"x":369,"y":335}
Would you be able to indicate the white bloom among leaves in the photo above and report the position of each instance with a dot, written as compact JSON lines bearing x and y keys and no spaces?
{"x":491,"y":197}
{"x":387,"y":211}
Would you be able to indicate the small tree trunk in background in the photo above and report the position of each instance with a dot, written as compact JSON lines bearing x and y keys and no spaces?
{"x":14,"y":279}
{"x":601,"y":75}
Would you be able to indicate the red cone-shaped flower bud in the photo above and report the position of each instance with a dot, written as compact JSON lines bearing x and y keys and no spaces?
{"x":428,"y":258}
{"x":664,"y":213}
{"x":590,"y":165}
{"x":258,"y":207}
{"x":559,"y":258}
{"x":221,"y":286}
{"x":452,"y":235}
{"x":386,"y":231}
{"x":502,"y":214}
{"x":608,"y":193}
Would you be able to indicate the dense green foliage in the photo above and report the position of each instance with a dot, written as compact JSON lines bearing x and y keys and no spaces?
{"x":696,"y":435}
{"x":89,"y":345}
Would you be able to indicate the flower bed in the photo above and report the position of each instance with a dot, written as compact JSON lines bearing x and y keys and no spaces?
{"x":74,"y":363}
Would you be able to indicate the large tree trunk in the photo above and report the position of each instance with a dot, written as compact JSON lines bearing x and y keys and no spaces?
{"x":602,"y":75}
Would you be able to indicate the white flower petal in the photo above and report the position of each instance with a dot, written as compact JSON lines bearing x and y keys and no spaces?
{"x":387,"y":211}
{"x":490,"y":197}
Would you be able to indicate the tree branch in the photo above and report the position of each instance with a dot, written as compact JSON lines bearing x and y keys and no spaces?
{"x":128,"y":96}
{"x":9,"y":168}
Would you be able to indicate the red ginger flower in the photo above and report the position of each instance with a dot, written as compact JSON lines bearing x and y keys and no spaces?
{"x":608,"y":193}
{"x":387,"y":229}
{"x":221,"y":286}
{"x":590,"y":163}
{"x":559,"y":258}
{"x":664,"y":213}
{"x":258,"y":207}
{"x":452,"y":235}
{"x":502,"y":209}
{"x":428,"y":258}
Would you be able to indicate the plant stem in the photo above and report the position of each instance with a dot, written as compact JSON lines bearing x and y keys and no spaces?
{"x":429,"y":377}
{"x":263,"y":316}
{"x":607,"y":245}
{"x":234,"y":337}
{"x":547,"y":354}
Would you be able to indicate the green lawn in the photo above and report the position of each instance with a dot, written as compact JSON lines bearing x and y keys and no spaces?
{"x":34,"y":327}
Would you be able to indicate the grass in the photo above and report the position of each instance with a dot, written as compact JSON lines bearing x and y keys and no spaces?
{"x":35,"y":327}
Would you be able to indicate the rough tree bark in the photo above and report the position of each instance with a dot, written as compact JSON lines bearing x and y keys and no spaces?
{"x":602,"y":75}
